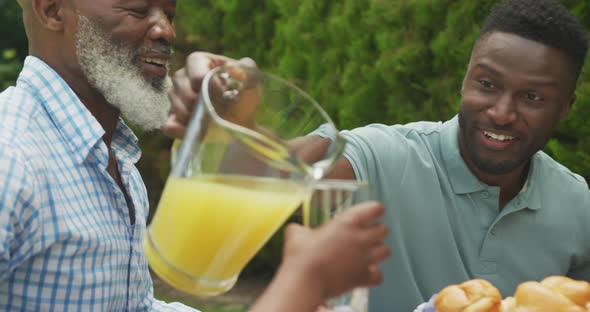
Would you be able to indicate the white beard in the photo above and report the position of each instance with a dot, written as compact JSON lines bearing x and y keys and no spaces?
{"x":109,"y":68}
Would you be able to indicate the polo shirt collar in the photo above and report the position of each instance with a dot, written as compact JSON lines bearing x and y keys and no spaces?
{"x":462,"y":179}
{"x":531,"y":192}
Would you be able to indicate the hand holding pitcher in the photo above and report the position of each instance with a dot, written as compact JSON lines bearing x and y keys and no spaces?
{"x":187,"y":86}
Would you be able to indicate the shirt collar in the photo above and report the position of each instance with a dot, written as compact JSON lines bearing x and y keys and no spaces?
{"x":463,"y":181}
{"x":530,"y":191}
{"x":125,"y":143}
{"x":79,"y":128}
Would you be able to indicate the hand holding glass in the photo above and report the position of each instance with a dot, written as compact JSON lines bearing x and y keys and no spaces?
{"x":329,"y":198}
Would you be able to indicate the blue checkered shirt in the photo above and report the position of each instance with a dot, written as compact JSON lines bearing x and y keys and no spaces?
{"x":66,"y":241}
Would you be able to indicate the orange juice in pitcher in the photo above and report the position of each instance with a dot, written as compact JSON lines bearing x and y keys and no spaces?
{"x":212,"y":226}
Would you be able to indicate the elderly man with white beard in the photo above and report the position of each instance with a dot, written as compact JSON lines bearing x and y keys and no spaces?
{"x":73,"y":206}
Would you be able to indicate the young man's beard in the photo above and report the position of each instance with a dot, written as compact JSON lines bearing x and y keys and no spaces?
{"x":490,"y":165}
{"x":110,"y":69}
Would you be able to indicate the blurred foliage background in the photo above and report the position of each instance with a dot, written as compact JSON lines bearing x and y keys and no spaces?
{"x":365,"y":61}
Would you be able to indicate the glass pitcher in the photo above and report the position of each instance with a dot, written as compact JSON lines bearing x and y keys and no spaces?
{"x":235,"y":179}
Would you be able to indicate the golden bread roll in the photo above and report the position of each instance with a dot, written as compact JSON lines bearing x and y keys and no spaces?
{"x":508,"y":305}
{"x":472,"y":296}
{"x":553,"y":294}
{"x":576,"y":291}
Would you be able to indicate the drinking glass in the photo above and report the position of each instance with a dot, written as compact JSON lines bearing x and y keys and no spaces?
{"x":236,"y":177}
{"x":329,"y":198}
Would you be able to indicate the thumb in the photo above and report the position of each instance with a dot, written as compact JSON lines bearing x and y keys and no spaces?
{"x":293,"y":231}
{"x":246,"y":61}
{"x":364,"y":214}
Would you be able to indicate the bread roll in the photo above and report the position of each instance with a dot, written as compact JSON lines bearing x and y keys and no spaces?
{"x":472,"y":296}
{"x":553,"y":294}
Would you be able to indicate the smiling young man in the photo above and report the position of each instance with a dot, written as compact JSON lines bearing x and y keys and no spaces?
{"x":473,"y":197}
{"x":73,"y":206}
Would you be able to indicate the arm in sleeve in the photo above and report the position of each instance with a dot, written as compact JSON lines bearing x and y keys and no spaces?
{"x":18,"y":215}
{"x":372,"y":148}
{"x":377,"y":153}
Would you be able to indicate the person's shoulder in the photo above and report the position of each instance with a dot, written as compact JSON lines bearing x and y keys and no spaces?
{"x":16,"y":172}
{"x":572,"y":186}
{"x":18,"y":108}
{"x":419,"y":128}
{"x":422,"y":128}
{"x":558,"y":171}
{"x":399,"y":138}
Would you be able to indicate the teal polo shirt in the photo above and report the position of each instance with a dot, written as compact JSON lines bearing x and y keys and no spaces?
{"x":446,"y":226}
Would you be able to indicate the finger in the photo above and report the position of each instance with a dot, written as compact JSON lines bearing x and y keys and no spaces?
{"x":237,"y":72}
{"x":363,"y":214}
{"x":246,"y":61}
{"x":179,"y":75}
{"x":173,"y":128}
{"x":179,"y":109}
{"x":374,"y":276}
{"x":324,"y":309}
{"x":199,"y":63}
{"x":222,"y":60}
{"x":374,"y":234}
{"x":293,"y":230}
{"x":379,"y":254}
{"x":208,"y":60}
{"x":183,"y":90}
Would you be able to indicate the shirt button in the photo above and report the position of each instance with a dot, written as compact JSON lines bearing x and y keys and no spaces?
{"x":485,"y":194}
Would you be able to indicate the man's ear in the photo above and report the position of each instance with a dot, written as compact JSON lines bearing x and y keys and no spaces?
{"x":565,"y":110}
{"x":49,"y":13}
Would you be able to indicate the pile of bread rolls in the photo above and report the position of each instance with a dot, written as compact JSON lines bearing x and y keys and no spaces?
{"x":553,"y":294}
